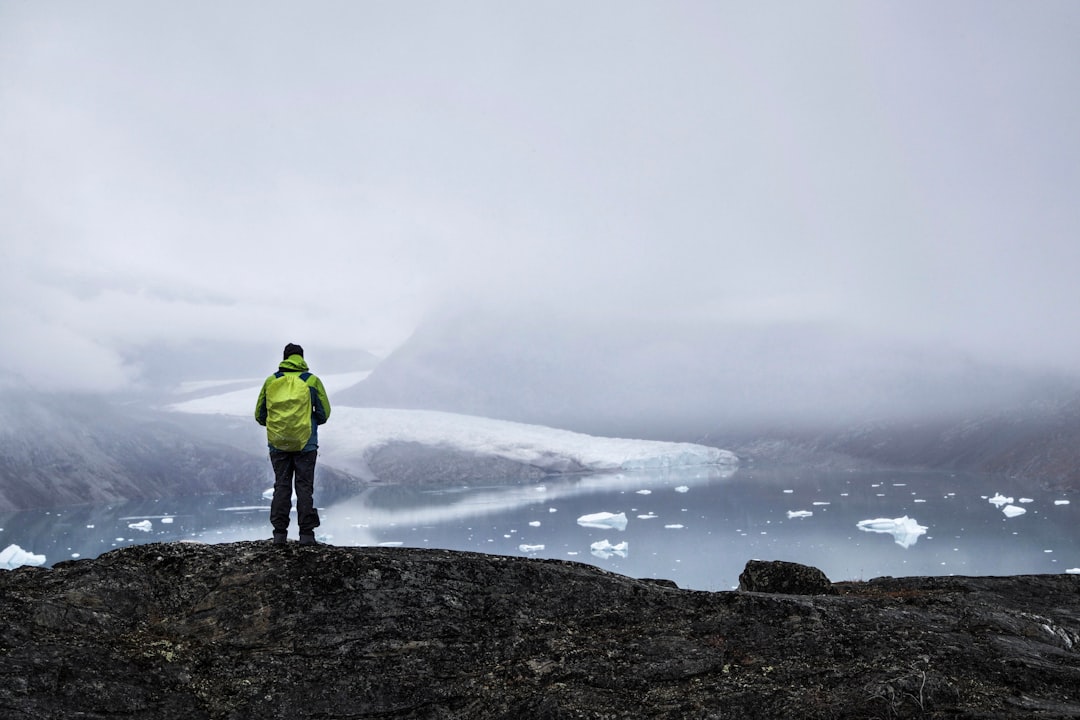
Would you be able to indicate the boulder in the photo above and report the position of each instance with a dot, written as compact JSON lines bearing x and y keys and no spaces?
{"x":788,"y":578}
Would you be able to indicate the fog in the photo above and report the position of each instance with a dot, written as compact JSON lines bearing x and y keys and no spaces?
{"x":192,"y":185}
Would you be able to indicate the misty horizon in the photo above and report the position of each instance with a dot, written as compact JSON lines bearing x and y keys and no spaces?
{"x":202,"y":184}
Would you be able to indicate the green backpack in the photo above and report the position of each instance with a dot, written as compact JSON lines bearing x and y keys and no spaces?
{"x":288,"y":411}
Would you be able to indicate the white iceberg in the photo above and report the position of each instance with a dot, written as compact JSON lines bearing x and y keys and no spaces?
{"x":904,"y":530}
{"x":604,"y":520}
{"x":530,"y":548}
{"x":1013,"y":510}
{"x":799,"y":514}
{"x":999,"y":500}
{"x":682,"y":489}
{"x":604,"y":549}
{"x":1061,"y":502}
{"x":145,"y":526}
{"x":14,"y":556}
{"x":1073,"y":571}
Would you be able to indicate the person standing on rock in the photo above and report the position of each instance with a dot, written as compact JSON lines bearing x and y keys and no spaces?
{"x":292,"y":405}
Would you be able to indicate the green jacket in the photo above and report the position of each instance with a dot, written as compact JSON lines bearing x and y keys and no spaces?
{"x":320,"y":403}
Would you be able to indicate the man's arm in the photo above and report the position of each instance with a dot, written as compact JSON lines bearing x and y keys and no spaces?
{"x":260,"y":406}
{"x":320,"y":402}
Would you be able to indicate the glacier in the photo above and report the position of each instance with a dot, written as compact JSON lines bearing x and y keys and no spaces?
{"x":354,"y":433}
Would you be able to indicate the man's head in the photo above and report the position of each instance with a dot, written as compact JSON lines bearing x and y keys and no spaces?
{"x":293,"y":349}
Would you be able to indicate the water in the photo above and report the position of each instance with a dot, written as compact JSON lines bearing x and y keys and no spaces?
{"x":697,"y":528}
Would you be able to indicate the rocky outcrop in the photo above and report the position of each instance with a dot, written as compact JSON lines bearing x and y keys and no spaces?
{"x":252,"y":630}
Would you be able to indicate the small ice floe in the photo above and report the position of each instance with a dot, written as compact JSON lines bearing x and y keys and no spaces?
{"x":1026,"y":500}
{"x":604,"y":520}
{"x":167,"y":520}
{"x":799,"y":514}
{"x":674,"y":526}
{"x":682,"y":489}
{"x":1013,"y":510}
{"x":530,"y":548}
{"x":789,"y":492}
{"x":14,"y":556}
{"x":1061,"y":502}
{"x":551,"y":510}
{"x":648,"y":516}
{"x":999,"y":500}
{"x":904,"y":530}
{"x":145,"y":526}
{"x":644,"y":492}
{"x":391,"y":543}
{"x":822,"y":502}
{"x":534,"y":523}
{"x":604,"y":550}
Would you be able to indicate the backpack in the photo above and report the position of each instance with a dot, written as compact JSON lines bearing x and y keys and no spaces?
{"x":288,"y":411}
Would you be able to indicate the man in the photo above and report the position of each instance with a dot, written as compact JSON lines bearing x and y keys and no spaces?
{"x":292,"y":404}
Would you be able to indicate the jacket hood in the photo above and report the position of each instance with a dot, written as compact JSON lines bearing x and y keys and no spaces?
{"x":293,"y":363}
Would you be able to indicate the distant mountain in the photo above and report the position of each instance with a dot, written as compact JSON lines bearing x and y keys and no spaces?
{"x":779,"y":392}
{"x":1040,"y":442}
{"x":63,"y":450}
{"x":684,"y":381}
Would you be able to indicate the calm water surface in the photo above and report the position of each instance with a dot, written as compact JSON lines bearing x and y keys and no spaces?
{"x":696,"y":527}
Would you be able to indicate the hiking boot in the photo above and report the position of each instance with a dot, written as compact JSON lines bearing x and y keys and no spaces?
{"x":280,"y":538}
{"x":307,"y":540}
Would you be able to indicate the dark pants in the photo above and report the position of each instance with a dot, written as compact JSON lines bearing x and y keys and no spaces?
{"x":290,"y":467}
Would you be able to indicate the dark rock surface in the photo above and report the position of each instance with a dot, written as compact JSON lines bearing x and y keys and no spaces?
{"x":251,"y":630}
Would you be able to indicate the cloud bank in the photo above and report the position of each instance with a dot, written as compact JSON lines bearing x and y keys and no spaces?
{"x":332,"y":173}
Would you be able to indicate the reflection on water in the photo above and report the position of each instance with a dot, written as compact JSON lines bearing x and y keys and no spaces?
{"x":696,"y":527}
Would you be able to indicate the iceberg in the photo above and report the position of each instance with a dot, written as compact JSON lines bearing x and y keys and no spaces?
{"x":904,"y":530}
{"x":14,"y":556}
{"x":145,"y":526}
{"x":530,"y":548}
{"x":604,"y":549}
{"x":799,"y":514}
{"x":1000,"y":500}
{"x":604,"y":520}
{"x":1013,"y":510}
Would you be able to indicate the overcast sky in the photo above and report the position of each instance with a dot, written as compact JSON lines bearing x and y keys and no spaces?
{"x":326,"y":172}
